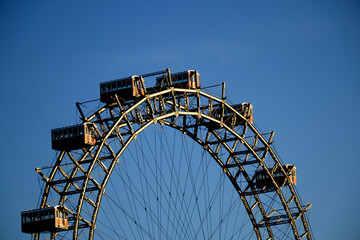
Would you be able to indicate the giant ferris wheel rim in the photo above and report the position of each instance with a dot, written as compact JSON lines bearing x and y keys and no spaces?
{"x":177,"y":113}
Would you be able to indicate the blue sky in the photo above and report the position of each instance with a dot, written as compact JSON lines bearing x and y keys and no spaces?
{"x":297,"y":62}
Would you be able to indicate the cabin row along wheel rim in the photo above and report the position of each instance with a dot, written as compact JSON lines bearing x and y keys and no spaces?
{"x":73,"y":182}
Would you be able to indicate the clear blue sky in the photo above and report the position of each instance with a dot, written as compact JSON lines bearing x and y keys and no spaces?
{"x":297,"y":62}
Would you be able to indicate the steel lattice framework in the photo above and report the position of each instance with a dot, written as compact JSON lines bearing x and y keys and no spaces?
{"x":187,"y":110}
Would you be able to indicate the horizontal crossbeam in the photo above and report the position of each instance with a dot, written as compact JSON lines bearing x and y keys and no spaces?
{"x":258,"y":149}
{"x":277,"y":220}
{"x":236,"y":165}
{"x":258,"y":192}
{"x":79,"y":191}
{"x":74,"y":179}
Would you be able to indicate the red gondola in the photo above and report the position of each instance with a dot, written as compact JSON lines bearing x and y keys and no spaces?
{"x":73,"y":137}
{"x":50,"y":219}
{"x":263,"y":180}
{"x":126,"y":89}
{"x":189,"y":80}
{"x":230,"y":118}
{"x":246,"y":110}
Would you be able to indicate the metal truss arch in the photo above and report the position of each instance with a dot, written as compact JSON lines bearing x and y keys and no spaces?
{"x":244,"y":144}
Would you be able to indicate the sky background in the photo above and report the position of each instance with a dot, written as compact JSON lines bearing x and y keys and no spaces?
{"x":297,"y":62}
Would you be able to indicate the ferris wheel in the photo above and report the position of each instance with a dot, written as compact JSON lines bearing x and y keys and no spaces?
{"x":169,"y":161}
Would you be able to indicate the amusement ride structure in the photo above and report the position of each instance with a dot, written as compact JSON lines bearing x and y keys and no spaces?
{"x":167,"y":161}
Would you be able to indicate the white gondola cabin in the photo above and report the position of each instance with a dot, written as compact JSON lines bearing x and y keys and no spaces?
{"x":126,"y":88}
{"x":50,"y":219}
{"x":263,"y":179}
{"x":188,"y":80}
{"x":73,"y":137}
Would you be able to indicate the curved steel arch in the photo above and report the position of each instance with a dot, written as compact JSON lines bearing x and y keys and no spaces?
{"x":195,"y":107}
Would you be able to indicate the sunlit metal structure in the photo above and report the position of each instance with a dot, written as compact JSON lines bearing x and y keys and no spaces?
{"x":224,"y":131}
